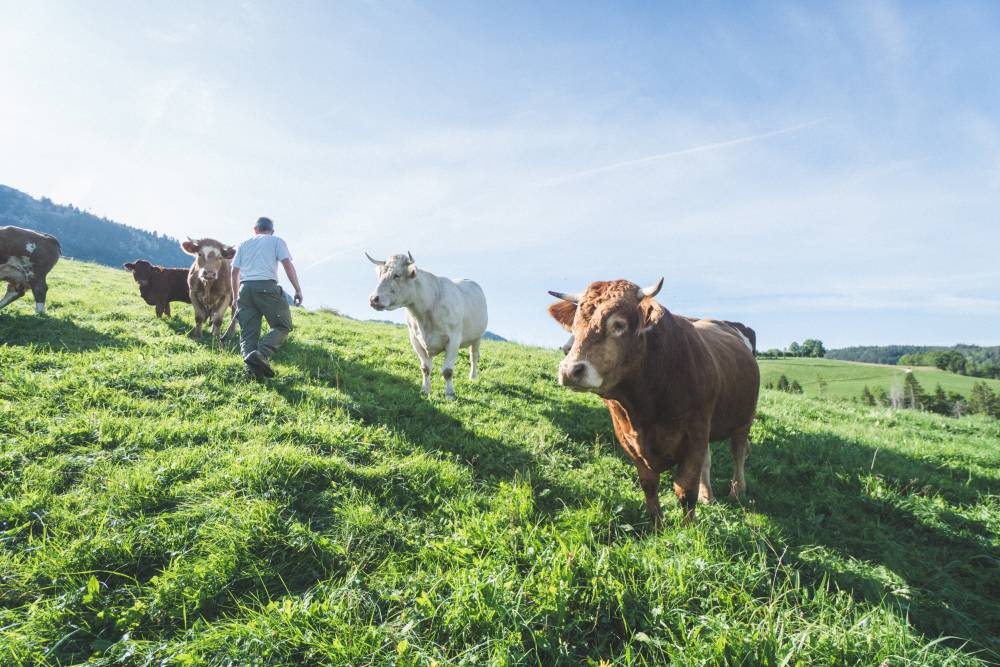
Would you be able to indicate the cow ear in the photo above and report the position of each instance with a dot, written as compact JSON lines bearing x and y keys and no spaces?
{"x":413,"y":270}
{"x":190,"y":247}
{"x":128,"y":266}
{"x":228,"y":252}
{"x":649,"y":315}
{"x":563,"y":312}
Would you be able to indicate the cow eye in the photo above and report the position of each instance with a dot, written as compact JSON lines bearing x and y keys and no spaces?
{"x":617,"y":328}
{"x":396,"y":276}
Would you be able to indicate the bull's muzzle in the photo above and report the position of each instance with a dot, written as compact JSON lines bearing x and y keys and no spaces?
{"x":580,"y":375}
{"x":375,"y":302}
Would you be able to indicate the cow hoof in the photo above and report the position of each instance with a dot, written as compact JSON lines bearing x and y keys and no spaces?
{"x":736,"y":490}
{"x":449,"y":397}
{"x":706,"y":500}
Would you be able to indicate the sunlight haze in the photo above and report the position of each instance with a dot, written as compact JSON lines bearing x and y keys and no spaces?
{"x":816,"y":172}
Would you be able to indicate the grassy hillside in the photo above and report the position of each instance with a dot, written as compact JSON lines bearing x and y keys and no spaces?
{"x":846,"y":379}
{"x":156,"y":507}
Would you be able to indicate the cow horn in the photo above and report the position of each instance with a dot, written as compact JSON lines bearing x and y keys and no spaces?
{"x":374,"y":261}
{"x":572,"y":298}
{"x":650,"y":291}
{"x":412,"y":261}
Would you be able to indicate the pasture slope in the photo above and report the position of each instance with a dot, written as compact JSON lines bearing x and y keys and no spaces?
{"x":832,"y":378}
{"x":158,"y":507}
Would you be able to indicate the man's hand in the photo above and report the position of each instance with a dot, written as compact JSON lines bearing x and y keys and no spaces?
{"x":294,"y":279}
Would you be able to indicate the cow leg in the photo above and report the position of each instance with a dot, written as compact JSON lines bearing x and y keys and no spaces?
{"x":474,"y":360}
{"x":688,"y":478}
{"x":166,"y":309}
{"x":39,"y":289}
{"x":159,"y":310}
{"x":217,"y":318}
{"x":740,"y":444}
{"x":426,"y":363}
{"x":705,"y":486}
{"x":199,"y":317}
{"x":448,"y":368}
{"x":649,"y":480}
{"x":13,"y":293}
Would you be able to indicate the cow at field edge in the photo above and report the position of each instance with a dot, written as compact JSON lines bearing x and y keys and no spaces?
{"x":209,"y":281}
{"x":26,"y":257}
{"x":442,"y":314}
{"x":158,"y":286}
{"x":672,"y":385}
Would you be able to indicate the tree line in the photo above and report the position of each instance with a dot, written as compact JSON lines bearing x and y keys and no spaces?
{"x":810,"y":347}
{"x":910,"y":395}
{"x":970,"y":360}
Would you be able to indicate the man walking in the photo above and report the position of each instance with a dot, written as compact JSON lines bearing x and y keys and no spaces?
{"x":255,"y":282}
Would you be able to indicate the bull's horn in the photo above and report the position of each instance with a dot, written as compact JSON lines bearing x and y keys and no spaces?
{"x":572,"y":298}
{"x":412,"y":261}
{"x":650,"y":291}
{"x":374,"y":261}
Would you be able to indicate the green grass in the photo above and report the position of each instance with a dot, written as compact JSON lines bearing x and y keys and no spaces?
{"x":847,"y":379}
{"x":159,"y":508}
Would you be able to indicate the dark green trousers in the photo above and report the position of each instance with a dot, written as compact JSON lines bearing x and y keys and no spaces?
{"x":262,"y":299}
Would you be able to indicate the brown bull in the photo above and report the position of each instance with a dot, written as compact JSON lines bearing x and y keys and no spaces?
{"x":209,"y":282}
{"x":671,"y":384}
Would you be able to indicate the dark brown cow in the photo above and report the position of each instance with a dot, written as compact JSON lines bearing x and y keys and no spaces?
{"x":158,"y":286}
{"x":26,"y":257}
{"x":672,"y":385}
{"x":209,"y":282}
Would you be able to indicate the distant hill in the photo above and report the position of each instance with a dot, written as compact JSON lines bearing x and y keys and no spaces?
{"x":981,"y":361}
{"x":828,"y":378}
{"x":86,"y":236}
{"x":877,"y":354}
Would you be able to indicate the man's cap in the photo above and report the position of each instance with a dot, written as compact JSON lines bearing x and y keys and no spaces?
{"x":264,"y":225}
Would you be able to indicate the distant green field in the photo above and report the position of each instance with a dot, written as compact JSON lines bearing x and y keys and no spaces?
{"x":157,"y":507}
{"x":846,"y":379}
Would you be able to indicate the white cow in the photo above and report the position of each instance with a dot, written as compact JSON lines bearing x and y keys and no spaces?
{"x":442,"y":314}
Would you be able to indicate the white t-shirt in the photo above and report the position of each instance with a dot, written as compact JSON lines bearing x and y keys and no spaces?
{"x":257,"y":258}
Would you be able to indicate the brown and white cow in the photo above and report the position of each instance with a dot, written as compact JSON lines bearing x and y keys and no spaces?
{"x":672,"y":385}
{"x":26,"y":257}
{"x":158,"y":286}
{"x":209,"y":281}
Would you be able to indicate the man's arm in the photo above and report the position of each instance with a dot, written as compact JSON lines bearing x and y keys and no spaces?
{"x":294,"y":279}
{"x":235,"y":285}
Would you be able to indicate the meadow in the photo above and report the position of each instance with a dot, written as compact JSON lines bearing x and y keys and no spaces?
{"x":157,"y":507}
{"x":831,"y":378}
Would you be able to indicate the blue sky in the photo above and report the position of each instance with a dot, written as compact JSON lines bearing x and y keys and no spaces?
{"x":814,"y":170}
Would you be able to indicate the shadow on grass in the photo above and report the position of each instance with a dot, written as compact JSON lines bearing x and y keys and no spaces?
{"x":54,"y":333}
{"x":378,"y":398}
{"x":579,"y":421}
{"x":183,"y":327}
{"x":823,"y":490}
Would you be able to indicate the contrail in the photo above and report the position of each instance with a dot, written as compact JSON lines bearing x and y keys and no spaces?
{"x":683,"y":151}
